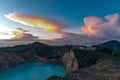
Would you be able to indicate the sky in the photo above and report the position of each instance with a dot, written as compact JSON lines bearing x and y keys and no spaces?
{"x":59,"y":22}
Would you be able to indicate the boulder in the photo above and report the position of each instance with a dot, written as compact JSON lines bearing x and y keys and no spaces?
{"x":55,"y":78}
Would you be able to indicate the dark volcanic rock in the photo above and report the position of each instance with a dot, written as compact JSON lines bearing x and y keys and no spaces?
{"x":35,"y":52}
{"x":103,"y":70}
{"x":57,"y":61}
{"x":9,"y":60}
{"x":76,"y":59}
{"x":36,"y":48}
{"x":86,"y":58}
{"x":80,"y":63}
{"x":55,"y":78}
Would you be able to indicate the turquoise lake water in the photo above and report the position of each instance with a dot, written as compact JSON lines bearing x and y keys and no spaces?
{"x":33,"y":71}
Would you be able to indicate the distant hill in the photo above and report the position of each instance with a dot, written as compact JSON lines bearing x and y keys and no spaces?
{"x":0,"y":46}
{"x":113,"y":45}
{"x":36,"y":48}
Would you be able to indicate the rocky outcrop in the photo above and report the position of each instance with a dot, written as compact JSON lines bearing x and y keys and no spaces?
{"x":86,"y":58}
{"x":70,"y":61}
{"x":55,"y":78}
{"x":57,"y":61}
{"x":76,"y":59}
{"x":9,"y":60}
{"x":35,"y":52}
{"x":79,"y":64}
{"x":103,"y":70}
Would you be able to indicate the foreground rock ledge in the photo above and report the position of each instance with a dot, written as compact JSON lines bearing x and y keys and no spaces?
{"x":103,"y":70}
{"x":55,"y":78}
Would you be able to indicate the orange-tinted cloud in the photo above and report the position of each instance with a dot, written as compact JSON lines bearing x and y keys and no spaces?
{"x":108,"y":26}
{"x":21,"y":34}
{"x":91,"y":25}
{"x":37,"y":22}
{"x":96,"y":30}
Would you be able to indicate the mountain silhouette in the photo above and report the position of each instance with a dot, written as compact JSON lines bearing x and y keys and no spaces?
{"x":113,"y":45}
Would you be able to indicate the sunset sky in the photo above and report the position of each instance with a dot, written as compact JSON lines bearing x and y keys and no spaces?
{"x":58,"y":22}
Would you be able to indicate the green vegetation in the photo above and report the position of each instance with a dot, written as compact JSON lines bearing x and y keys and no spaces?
{"x":86,"y":58}
{"x":112,"y":45}
{"x":114,"y":59}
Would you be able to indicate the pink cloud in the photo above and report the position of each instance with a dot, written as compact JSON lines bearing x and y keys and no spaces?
{"x":96,"y":30}
{"x":102,"y":27}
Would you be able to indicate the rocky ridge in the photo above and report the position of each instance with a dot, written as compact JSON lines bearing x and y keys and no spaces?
{"x":81,"y":63}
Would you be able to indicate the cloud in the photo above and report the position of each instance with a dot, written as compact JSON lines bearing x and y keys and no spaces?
{"x":107,"y":27}
{"x":91,"y":25}
{"x":21,"y":34}
{"x":95,"y":30}
{"x":4,"y":33}
{"x":37,"y":22}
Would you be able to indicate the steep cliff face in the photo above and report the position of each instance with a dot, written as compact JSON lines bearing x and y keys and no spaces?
{"x":80,"y":64}
{"x":70,"y":61}
{"x":86,"y":58}
{"x":76,"y":59}
{"x":103,"y":70}
{"x":9,"y":60}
